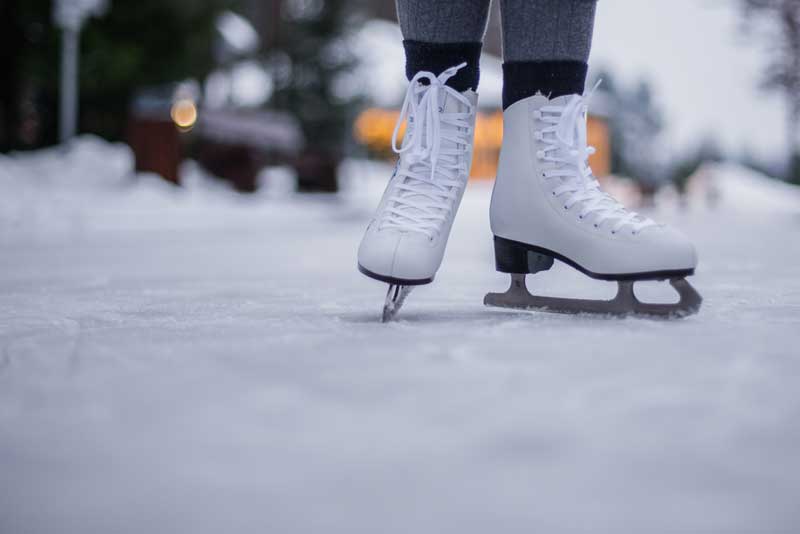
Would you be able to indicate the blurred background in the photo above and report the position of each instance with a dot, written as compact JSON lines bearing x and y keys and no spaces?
{"x":186,"y":344}
{"x":239,"y":86}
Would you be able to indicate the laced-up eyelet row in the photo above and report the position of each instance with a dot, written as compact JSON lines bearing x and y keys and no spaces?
{"x":430,"y":174}
{"x":565,"y":133}
{"x":581,"y":218}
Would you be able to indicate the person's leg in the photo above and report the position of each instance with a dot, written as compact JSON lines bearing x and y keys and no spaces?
{"x":438,"y":34}
{"x":546,"y":47}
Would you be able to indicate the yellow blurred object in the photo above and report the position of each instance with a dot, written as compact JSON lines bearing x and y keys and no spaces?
{"x":184,"y":114}
{"x":599,"y":137}
{"x":373,"y":129}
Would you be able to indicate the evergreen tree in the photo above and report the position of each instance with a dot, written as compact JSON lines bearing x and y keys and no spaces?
{"x":683,"y":169}
{"x":134,"y":45}
{"x":309,"y":60}
{"x":635,"y":123}
{"x":783,"y":72}
{"x":794,"y":168}
{"x":29,"y":54}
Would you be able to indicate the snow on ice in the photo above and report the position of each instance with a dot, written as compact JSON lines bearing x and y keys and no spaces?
{"x":193,"y":360}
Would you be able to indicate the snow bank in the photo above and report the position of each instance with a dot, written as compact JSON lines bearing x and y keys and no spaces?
{"x":736,"y":187}
{"x":92,"y":187}
{"x":88,"y":162}
{"x":51,"y":190}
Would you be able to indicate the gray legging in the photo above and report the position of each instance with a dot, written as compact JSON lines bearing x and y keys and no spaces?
{"x":533,"y":30}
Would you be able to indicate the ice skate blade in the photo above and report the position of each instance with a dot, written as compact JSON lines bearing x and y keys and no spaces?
{"x":395,"y":297}
{"x":623,"y":304}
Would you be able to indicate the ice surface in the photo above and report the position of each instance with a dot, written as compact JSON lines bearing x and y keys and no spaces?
{"x":198,"y":361}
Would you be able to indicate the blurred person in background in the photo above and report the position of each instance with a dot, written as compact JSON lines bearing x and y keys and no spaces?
{"x":546,"y":203}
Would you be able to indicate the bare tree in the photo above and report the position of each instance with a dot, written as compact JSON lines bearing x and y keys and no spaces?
{"x":783,"y":72}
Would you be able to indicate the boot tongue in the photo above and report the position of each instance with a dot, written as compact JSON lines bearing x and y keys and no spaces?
{"x":571,"y":131}
{"x":447,"y":104}
{"x":569,"y":122}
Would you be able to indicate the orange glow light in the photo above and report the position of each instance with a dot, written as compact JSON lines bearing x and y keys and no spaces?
{"x":184,"y":114}
{"x":373,"y":129}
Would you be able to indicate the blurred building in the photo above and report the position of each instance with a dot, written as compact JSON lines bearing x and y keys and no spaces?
{"x":234,"y":140}
{"x":374,"y":128}
{"x":378,"y":45}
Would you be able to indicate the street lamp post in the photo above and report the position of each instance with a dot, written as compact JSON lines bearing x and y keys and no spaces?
{"x":70,"y":16}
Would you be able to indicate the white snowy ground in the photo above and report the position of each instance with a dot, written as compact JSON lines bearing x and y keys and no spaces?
{"x":195,"y":361}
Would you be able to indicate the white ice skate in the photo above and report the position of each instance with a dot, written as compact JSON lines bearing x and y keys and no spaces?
{"x":547,"y":205}
{"x":405,"y":241}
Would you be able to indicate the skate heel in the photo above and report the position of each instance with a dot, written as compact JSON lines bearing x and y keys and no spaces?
{"x":516,"y":258}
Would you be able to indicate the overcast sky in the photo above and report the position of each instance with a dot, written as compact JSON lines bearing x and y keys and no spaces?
{"x":705,"y":72}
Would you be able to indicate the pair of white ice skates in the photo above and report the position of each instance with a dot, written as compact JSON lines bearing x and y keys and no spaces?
{"x":546,"y":205}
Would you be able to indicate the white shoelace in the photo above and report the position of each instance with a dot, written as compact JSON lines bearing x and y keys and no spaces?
{"x":429,"y":174}
{"x":567,"y":147}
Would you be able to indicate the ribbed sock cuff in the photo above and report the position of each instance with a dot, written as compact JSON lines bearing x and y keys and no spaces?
{"x":522,"y":79}
{"x":437,"y":57}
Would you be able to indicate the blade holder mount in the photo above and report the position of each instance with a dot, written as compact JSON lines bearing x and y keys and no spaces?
{"x":624,"y":303}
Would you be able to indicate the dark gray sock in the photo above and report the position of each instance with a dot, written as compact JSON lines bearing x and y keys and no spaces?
{"x":443,"y":21}
{"x":439,"y":34}
{"x":546,"y":43}
{"x":546,"y":46}
{"x":546,"y":30}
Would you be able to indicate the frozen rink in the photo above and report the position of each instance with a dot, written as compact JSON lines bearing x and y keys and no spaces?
{"x":200,"y":362}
